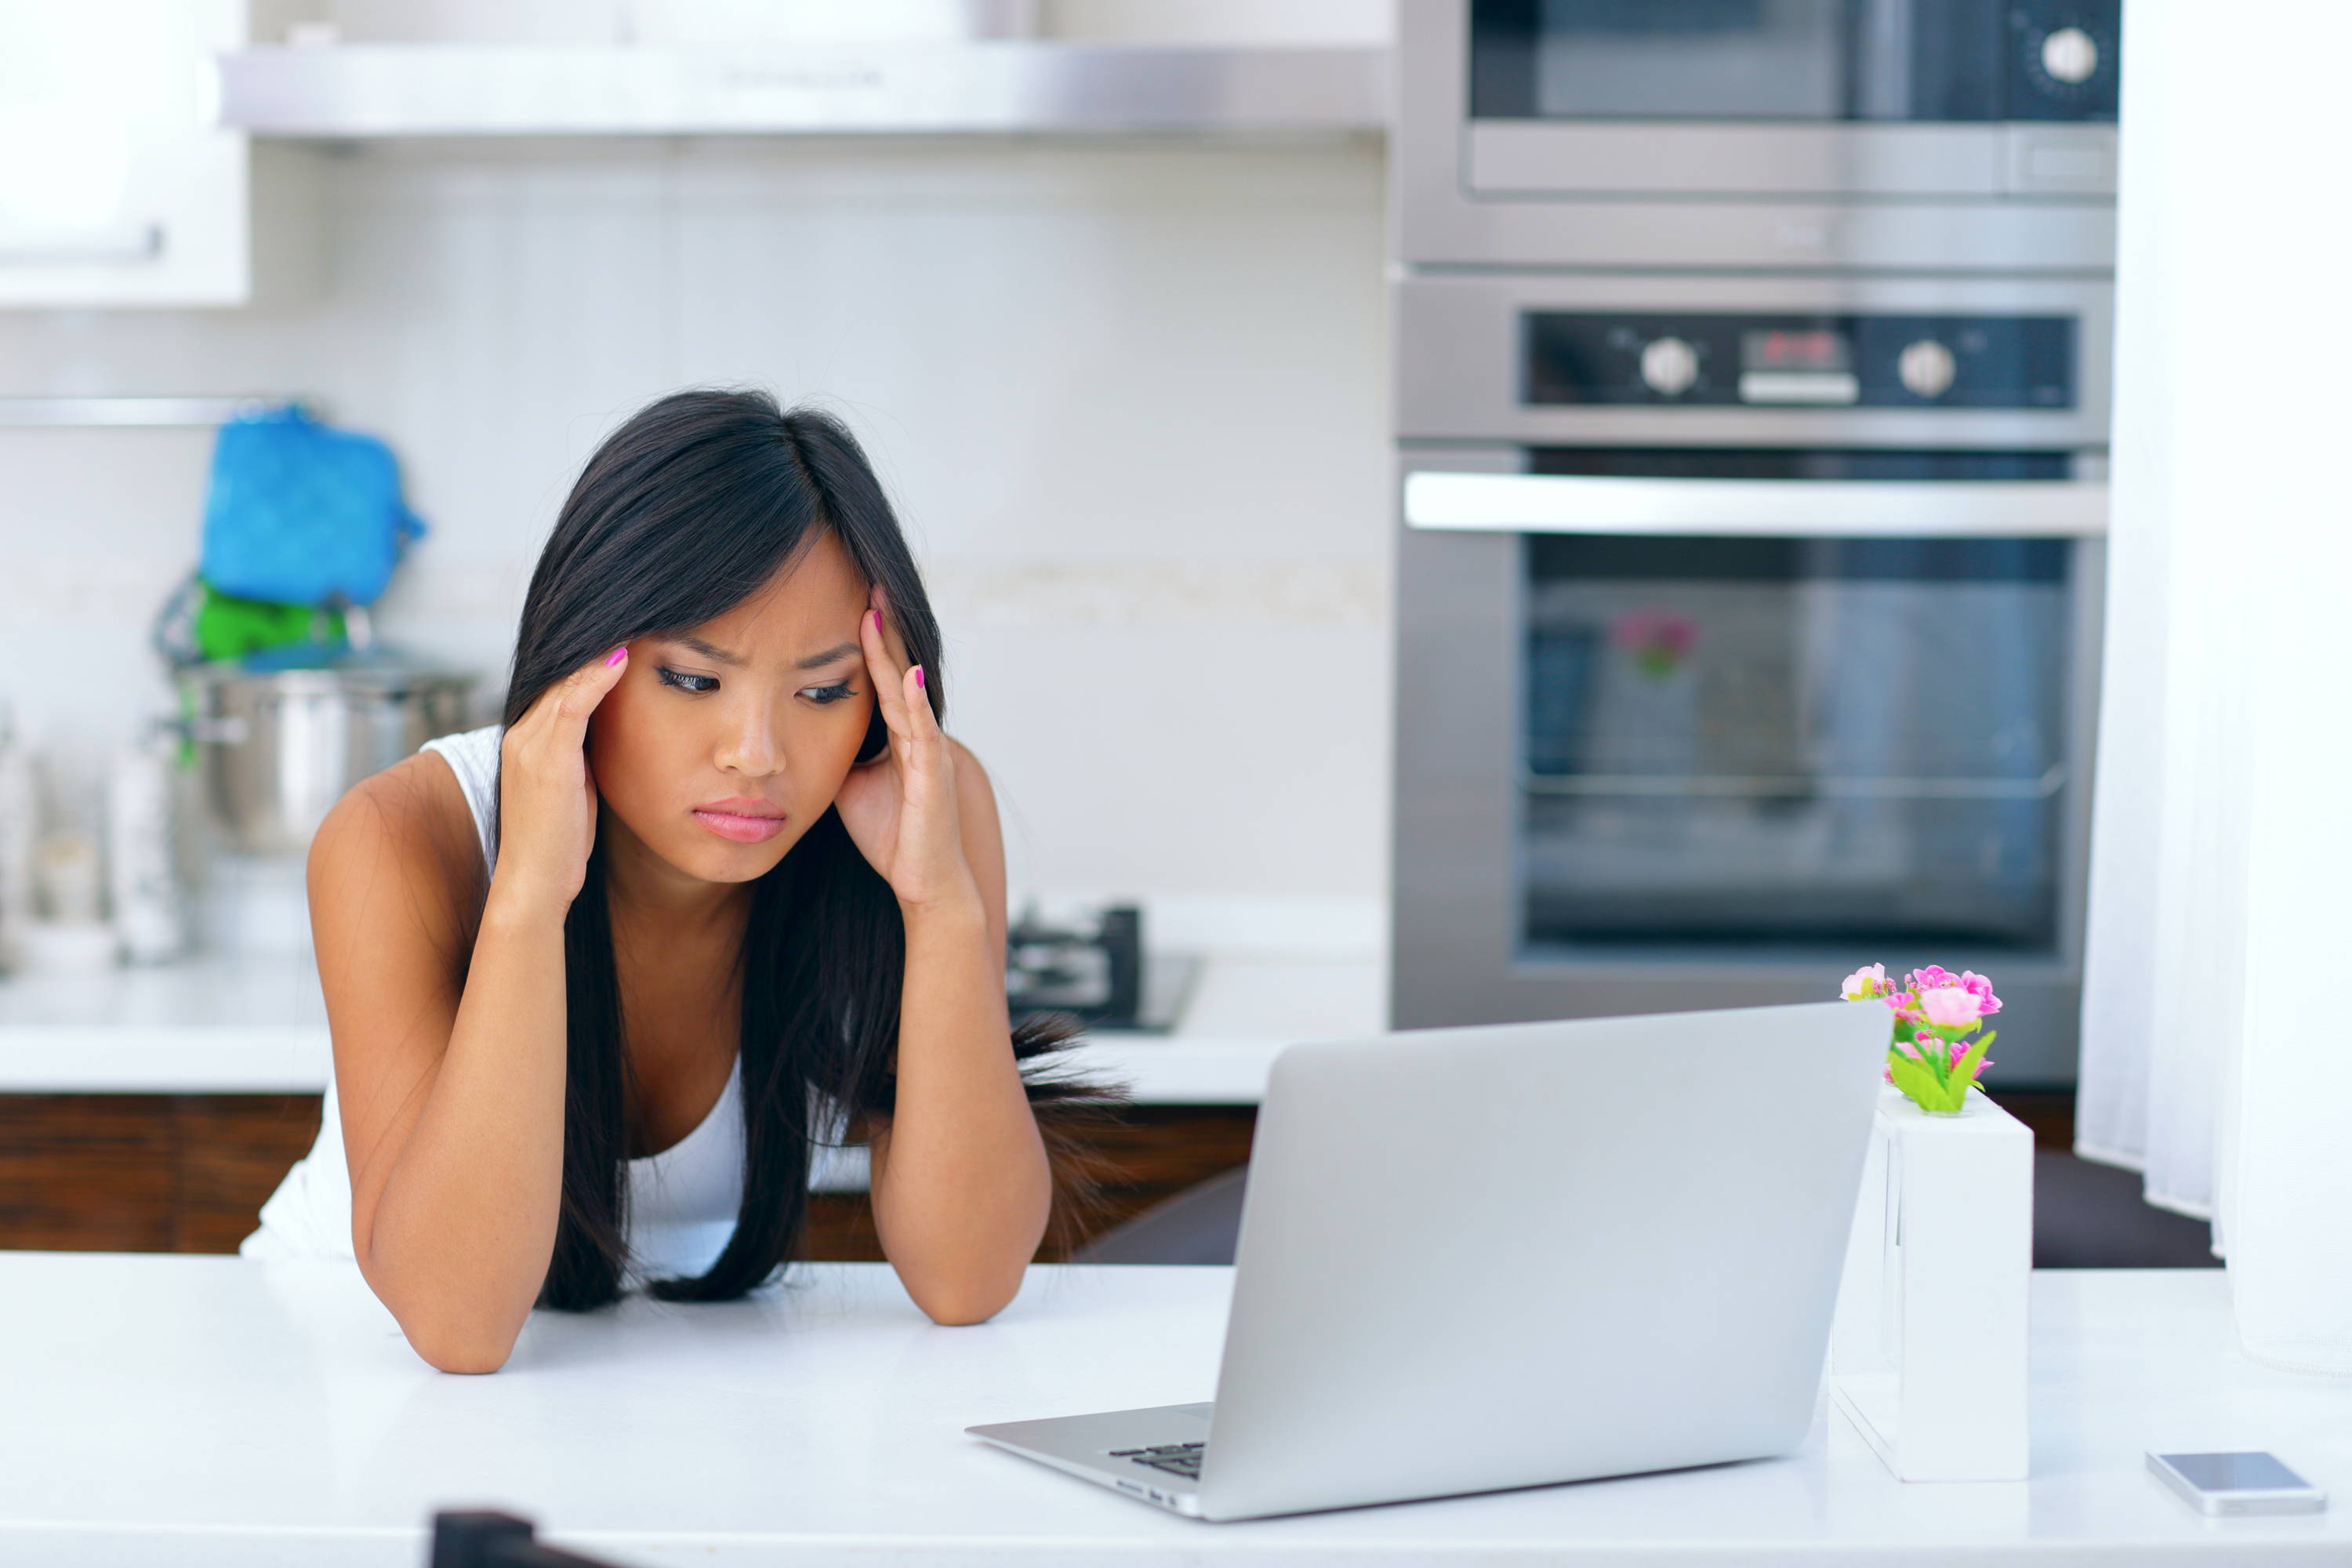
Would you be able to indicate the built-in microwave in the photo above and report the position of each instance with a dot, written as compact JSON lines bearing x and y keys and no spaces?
{"x":1943,"y":135}
{"x":1748,"y":631}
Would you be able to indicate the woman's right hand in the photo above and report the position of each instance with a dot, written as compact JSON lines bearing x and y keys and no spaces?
{"x":547,"y":795}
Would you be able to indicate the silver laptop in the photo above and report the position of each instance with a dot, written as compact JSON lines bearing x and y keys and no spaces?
{"x":1506,"y":1256}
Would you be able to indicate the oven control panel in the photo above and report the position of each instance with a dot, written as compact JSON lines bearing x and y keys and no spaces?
{"x":1758,"y":361}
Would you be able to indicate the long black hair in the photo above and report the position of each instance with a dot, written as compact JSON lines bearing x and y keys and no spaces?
{"x":682,"y":513}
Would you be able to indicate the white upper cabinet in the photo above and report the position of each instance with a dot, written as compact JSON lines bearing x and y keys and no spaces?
{"x":118,"y":185}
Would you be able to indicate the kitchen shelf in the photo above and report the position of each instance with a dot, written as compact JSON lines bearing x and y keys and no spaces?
{"x":368,"y":91}
{"x":132,"y":411}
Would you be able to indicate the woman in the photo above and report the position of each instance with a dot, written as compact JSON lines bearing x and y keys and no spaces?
{"x":719,"y":893}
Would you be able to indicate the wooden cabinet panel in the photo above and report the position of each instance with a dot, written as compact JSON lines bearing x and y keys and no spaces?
{"x":1143,"y":1154}
{"x":839,"y":1229}
{"x":144,"y":1172}
{"x":85,"y":1172}
{"x":234,"y":1150}
{"x":120,"y":1173}
{"x":125,"y":1172}
{"x":1154,"y":1151}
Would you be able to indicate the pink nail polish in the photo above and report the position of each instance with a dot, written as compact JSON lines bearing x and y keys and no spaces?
{"x":877,"y":620}
{"x":617,"y":654}
{"x":919,"y":682}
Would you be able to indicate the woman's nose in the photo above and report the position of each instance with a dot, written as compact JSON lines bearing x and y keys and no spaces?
{"x":750,"y":746}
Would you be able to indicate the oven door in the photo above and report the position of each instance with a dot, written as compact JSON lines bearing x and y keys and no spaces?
{"x":1933,"y":133}
{"x":1680,"y":729}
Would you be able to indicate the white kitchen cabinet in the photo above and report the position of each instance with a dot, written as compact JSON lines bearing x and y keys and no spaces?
{"x":118,"y":185}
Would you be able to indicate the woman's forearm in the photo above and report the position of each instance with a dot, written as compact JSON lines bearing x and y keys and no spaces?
{"x":466,"y":1222}
{"x":963,"y":1192}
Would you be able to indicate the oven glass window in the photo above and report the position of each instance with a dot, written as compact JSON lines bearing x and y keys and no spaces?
{"x":1756,"y":743}
{"x":1905,"y":60}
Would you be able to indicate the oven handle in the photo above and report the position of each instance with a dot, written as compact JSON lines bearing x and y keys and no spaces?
{"x":1844,"y":509}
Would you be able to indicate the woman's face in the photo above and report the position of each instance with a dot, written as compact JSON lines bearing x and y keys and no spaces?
{"x":721,"y":745}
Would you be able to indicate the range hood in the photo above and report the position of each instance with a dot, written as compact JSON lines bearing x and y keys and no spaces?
{"x":991,"y":86}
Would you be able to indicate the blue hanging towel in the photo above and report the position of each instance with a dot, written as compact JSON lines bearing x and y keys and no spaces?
{"x":300,"y":513}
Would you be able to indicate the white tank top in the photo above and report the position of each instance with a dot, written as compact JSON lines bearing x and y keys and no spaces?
{"x":682,"y":1201}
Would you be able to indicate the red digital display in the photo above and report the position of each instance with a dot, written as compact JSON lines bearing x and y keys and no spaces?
{"x":1784,"y":349}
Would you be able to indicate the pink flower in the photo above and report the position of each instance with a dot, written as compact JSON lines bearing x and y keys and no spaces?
{"x":1981,"y":987}
{"x":1655,"y":632}
{"x":1950,"y":1006}
{"x":1863,"y":983}
{"x":1935,"y":977}
{"x":1658,"y":640}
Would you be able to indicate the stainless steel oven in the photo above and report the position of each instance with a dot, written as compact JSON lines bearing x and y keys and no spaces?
{"x":1937,"y":135}
{"x":1748,"y":629}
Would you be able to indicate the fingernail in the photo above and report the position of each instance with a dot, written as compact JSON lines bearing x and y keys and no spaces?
{"x":617,"y":654}
{"x":919,"y":675}
{"x":877,"y":620}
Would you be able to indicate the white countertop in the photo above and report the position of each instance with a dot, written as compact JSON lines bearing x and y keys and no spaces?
{"x":229,"y":1025}
{"x":200,"y":1410}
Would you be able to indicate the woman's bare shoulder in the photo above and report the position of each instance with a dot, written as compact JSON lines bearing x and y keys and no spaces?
{"x":972,"y":785}
{"x":406,"y":831}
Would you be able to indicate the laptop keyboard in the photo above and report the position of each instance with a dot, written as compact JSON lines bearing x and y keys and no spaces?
{"x":1176,"y":1459}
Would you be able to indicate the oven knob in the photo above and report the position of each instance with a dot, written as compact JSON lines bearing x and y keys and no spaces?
{"x":1669,"y":366}
{"x":1926,"y":368}
{"x":2070,"y":55}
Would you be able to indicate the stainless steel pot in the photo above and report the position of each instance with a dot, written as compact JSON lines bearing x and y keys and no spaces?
{"x":279,"y":748}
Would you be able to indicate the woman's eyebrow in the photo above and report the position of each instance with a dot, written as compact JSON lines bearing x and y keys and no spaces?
{"x":717,"y":655}
{"x":708,"y":650}
{"x":839,"y":650}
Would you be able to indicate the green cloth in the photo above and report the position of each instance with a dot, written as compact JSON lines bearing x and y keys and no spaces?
{"x":231,"y":628}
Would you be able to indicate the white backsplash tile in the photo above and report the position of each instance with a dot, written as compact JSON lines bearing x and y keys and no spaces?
{"x":1129,"y":397}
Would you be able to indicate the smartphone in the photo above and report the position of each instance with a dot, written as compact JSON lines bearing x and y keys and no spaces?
{"x":2230,"y":1484}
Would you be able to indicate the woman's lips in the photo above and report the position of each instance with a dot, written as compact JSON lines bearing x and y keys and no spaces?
{"x":739,"y":828}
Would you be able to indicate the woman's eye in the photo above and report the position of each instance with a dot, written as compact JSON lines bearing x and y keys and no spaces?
{"x":825,"y":695}
{"x":685,"y":682}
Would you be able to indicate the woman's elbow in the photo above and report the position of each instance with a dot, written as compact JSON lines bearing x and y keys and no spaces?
{"x":449,"y":1342}
{"x":955,"y":1304}
{"x":461,"y":1352}
{"x":449,"y":1327}
{"x":955,"y":1314}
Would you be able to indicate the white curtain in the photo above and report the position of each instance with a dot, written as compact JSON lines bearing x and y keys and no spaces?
{"x":2220,"y":910}
{"x":2166,"y":895}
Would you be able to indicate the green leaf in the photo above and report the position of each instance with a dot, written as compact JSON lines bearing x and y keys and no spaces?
{"x":1966,"y":1070}
{"x":1916,"y":1082}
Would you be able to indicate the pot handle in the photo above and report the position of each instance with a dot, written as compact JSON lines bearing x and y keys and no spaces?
{"x":228,"y":730}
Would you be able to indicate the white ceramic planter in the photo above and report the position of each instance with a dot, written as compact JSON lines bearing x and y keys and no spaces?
{"x":1928,"y":1356}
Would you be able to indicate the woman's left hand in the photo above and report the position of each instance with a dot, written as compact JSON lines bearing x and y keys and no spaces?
{"x":901,"y":808}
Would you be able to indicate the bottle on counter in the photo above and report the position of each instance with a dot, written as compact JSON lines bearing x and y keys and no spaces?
{"x":19,"y":831}
{"x":71,"y":936}
{"x":65,"y":930}
{"x":142,"y":853}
